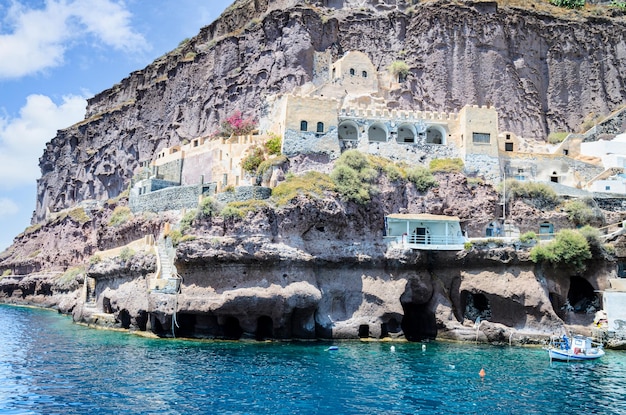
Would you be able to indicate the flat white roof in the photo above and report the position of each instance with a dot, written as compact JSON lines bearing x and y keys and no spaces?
{"x":423,"y":217}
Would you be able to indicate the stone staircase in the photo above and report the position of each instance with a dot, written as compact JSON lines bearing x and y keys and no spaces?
{"x":90,"y":292}
{"x":167,"y":280}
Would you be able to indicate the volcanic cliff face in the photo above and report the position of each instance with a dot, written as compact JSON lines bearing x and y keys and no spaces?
{"x":317,"y":266}
{"x":543,"y":73}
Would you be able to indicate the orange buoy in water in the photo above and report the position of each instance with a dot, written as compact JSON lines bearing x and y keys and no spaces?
{"x":481,"y":373}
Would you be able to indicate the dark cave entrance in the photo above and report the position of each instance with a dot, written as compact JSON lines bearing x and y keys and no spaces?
{"x":558,"y":304}
{"x":231,"y":328}
{"x":364,"y":331}
{"x":156,"y":326}
{"x":124,"y":318}
{"x":581,"y":296}
{"x":106,"y":305}
{"x":390,"y":327}
{"x":302,"y":324}
{"x":264,"y":328}
{"x":186,"y":325}
{"x":142,"y":320}
{"x":418,"y":323}
{"x":475,"y":305}
{"x":198,"y":326}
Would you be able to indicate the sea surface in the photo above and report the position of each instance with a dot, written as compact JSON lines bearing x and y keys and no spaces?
{"x":48,"y":365}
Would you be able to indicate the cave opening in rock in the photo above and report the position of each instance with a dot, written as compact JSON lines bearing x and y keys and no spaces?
{"x":581,"y":296}
{"x":384,"y":330}
{"x":186,"y":324}
{"x":142,"y":320}
{"x":264,"y":328}
{"x":419,"y":322}
{"x":475,"y":305}
{"x":390,"y":327}
{"x":106,"y":305}
{"x":124,"y":318}
{"x":364,"y":331}
{"x":302,"y":324}
{"x":155,"y":324}
{"x":558,"y":303}
{"x":231,"y":328}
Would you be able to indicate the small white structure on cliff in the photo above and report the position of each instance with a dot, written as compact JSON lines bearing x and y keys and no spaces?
{"x":425,"y":232}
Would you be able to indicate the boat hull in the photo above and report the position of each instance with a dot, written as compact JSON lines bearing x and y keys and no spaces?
{"x":569,"y":355}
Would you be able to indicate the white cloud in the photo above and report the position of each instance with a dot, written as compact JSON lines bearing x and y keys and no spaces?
{"x":22,"y":139}
{"x":7,"y":207}
{"x":35,"y":39}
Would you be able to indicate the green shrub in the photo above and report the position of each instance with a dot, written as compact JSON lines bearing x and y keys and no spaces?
{"x":187,"y":221}
{"x":540,"y":192}
{"x":609,"y":249}
{"x":79,"y":215}
{"x":251,"y":162}
{"x":95,"y":260}
{"x":580,"y":213}
{"x":454,"y":165}
{"x":393,"y":172}
{"x":619,"y":4}
{"x":126,"y":254}
{"x":230,"y":189}
{"x":569,"y":247}
{"x":468,"y":246}
{"x":231,"y":212}
{"x":593,"y":237}
{"x":473,"y":182}
{"x":208,"y":208}
{"x":557,"y":137}
{"x":569,"y":4}
{"x":399,"y":69}
{"x":527,"y":237}
{"x":310,"y":184}
{"x":350,"y":185}
{"x":69,"y":276}
{"x":121,"y":215}
{"x":7,"y":272}
{"x":176,"y":236}
{"x":422,"y":178}
{"x":354,"y":177}
{"x":265,"y":168}
{"x":273,"y":145}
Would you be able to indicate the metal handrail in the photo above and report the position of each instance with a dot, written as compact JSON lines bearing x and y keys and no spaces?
{"x":435,"y":240}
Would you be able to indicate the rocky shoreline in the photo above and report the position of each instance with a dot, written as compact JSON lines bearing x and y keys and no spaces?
{"x":274,"y":294}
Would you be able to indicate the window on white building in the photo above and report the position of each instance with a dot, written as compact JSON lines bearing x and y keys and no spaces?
{"x":481,"y":138}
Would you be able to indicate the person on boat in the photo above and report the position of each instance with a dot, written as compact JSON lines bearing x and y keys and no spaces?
{"x":565,"y":343}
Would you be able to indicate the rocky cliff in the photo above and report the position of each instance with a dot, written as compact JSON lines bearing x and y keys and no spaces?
{"x":313,"y":267}
{"x":317,"y":266}
{"x":543,"y":69}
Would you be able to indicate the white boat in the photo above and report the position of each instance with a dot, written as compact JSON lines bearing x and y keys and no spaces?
{"x":575,"y":348}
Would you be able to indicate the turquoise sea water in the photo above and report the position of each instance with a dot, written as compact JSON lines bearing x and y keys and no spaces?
{"x":50,"y":366}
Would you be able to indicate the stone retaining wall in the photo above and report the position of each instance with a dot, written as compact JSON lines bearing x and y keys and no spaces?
{"x":243,"y":193}
{"x":171,"y":198}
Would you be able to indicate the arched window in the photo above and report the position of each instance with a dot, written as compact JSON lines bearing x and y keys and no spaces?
{"x":320,"y":127}
{"x":352,"y":72}
{"x":364,"y":74}
{"x":406,"y":133}
{"x":304,"y":126}
{"x":348,"y":130}
{"x":377,"y":132}
{"x":435,"y":135}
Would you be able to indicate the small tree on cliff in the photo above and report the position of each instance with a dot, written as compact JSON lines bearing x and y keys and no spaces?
{"x":569,"y":247}
{"x":354,"y":177}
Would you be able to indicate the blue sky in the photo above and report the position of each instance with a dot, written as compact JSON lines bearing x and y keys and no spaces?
{"x":56,"y":53}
